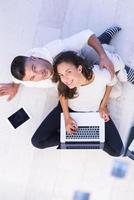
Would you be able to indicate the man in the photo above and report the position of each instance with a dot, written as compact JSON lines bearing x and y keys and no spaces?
{"x":35,"y":68}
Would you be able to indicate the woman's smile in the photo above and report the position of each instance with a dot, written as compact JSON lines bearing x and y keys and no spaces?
{"x":69,"y":83}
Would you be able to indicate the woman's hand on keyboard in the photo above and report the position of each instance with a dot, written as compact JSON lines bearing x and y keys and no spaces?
{"x":104,"y":113}
{"x":71,"y":125}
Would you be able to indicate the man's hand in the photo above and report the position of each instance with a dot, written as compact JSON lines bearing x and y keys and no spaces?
{"x":104,"y":113}
{"x":10,"y":89}
{"x":105,"y":62}
{"x":71,"y":125}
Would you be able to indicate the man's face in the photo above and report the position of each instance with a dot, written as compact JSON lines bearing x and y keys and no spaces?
{"x":37,"y":69}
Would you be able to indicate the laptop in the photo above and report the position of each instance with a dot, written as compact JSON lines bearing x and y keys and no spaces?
{"x":130,"y":151}
{"x":90,"y":133}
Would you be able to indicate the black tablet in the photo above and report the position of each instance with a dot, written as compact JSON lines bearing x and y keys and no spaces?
{"x":18,"y":118}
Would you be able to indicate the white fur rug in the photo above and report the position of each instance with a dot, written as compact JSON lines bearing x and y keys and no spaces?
{"x":121,"y":108}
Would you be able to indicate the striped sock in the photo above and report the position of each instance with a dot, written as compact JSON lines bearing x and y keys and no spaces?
{"x":108,"y":34}
{"x":130,"y":74}
{"x":111,"y":31}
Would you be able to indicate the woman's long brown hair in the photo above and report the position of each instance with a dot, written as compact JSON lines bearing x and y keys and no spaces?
{"x":72,"y":58}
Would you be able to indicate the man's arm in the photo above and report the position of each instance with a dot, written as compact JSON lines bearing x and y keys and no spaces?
{"x":77,"y":41}
{"x":10,"y":89}
{"x":104,"y":60}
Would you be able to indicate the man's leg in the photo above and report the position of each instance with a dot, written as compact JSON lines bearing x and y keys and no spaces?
{"x":129,"y":140}
{"x":113,"y":144}
{"x":48,"y":134}
{"x":105,"y":38}
{"x":126,"y":74}
{"x":90,"y":54}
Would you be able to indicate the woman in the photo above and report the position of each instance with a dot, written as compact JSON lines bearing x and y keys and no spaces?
{"x":47,"y":135}
{"x":87,"y":90}
{"x":84,"y":90}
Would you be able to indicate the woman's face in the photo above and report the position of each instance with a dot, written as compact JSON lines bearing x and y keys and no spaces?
{"x":69,"y":74}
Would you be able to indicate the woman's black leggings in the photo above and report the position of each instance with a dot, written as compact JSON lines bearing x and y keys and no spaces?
{"x":48,"y":134}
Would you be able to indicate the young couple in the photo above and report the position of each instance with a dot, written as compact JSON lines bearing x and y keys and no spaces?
{"x":34,"y":69}
{"x":84,"y":88}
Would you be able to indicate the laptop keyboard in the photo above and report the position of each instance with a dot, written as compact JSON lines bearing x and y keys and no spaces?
{"x":85,"y":132}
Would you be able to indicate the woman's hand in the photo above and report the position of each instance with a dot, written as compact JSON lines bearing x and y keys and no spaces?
{"x":71,"y":125}
{"x":104,"y":113}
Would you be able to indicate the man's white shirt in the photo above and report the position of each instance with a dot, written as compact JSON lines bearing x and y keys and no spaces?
{"x":89,"y":97}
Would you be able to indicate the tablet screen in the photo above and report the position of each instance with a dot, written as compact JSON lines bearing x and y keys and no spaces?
{"x":18,"y":118}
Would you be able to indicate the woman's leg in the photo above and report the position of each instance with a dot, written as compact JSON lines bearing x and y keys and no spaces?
{"x":113,"y":144}
{"x":48,"y":134}
{"x":108,"y":34}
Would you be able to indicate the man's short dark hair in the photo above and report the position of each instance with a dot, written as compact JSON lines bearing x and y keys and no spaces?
{"x":18,"y":67}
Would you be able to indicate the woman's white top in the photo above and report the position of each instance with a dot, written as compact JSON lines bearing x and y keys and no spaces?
{"x":90,"y":96}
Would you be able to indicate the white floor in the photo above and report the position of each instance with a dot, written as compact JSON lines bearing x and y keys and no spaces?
{"x":27,"y":173}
